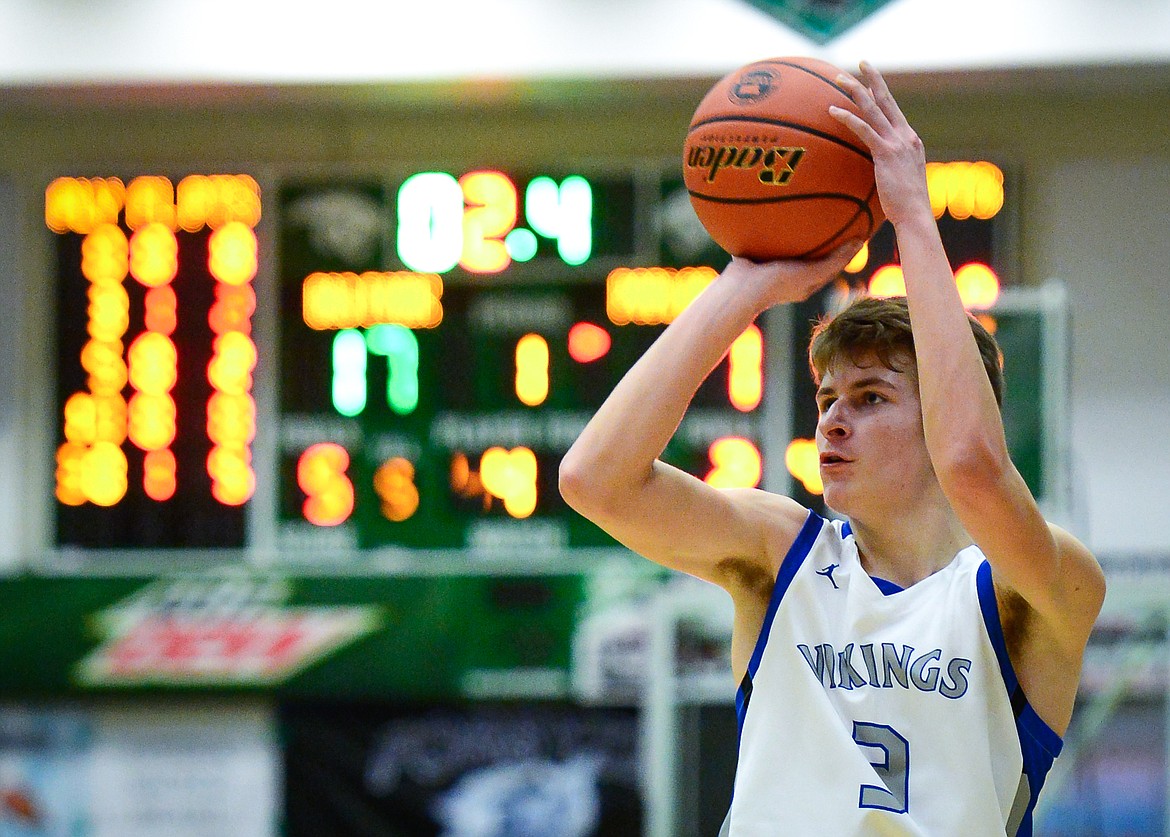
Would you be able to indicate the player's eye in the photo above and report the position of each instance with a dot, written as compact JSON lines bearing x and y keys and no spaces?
{"x":872,"y":397}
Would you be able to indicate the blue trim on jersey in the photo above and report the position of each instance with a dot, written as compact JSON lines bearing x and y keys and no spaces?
{"x":887,"y":588}
{"x":990,"y":608}
{"x":1039,"y":743}
{"x":788,"y":567}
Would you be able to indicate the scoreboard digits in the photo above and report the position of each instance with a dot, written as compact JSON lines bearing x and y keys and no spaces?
{"x":471,"y":221}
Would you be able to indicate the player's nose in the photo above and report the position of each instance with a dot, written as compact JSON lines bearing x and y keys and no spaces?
{"x":833,"y":422}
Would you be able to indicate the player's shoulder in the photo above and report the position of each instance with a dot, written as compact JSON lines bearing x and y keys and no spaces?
{"x":780,"y":518}
{"x":1081,"y":573}
{"x":1067,"y":542}
{"x":776,"y":511}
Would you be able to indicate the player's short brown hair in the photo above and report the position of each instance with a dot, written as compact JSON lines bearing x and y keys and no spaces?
{"x":881,"y":328}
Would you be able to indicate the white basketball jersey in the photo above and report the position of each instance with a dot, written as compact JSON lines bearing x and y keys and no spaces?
{"x":866,"y":712}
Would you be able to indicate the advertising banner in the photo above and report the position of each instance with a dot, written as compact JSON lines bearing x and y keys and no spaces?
{"x":337,"y":636}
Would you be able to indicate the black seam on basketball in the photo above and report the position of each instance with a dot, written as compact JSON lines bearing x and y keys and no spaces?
{"x":864,"y":209}
{"x":814,"y":74}
{"x":781,"y":123}
{"x":861,"y":205}
{"x":831,"y":239}
{"x":868,"y":211}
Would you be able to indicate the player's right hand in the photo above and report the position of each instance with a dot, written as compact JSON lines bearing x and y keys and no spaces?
{"x":788,"y":280}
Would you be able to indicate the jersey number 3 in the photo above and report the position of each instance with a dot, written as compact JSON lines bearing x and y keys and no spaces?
{"x":889,"y":753}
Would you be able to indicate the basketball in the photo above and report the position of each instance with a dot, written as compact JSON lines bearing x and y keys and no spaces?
{"x":771,"y":174}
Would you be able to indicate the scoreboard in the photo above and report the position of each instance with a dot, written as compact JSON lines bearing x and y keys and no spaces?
{"x":443,"y":337}
{"x":434,"y":373}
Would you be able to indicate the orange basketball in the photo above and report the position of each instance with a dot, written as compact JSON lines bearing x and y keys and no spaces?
{"x":771,"y":173}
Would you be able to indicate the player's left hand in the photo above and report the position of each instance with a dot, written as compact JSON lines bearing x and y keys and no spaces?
{"x":899,"y":157}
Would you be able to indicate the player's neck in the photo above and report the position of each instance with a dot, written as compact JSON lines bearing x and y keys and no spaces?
{"x":906,"y":548}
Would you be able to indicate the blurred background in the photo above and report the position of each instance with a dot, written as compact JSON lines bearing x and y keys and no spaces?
{"x":303,"y":304}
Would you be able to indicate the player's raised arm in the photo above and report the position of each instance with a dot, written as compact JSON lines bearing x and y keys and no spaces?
{"x":612,"y":474}
{"x":1053,"y":573}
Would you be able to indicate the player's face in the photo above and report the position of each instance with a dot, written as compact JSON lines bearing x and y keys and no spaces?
{"x":872,"y":448}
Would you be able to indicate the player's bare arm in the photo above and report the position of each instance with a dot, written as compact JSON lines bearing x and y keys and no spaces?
{"x":613,"y":476}
{"x":1051,"y":580}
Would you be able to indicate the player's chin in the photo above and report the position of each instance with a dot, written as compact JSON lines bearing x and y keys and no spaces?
{"x":836,"y":496}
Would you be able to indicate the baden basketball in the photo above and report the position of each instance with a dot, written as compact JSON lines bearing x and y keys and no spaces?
{"x":770,"y":172}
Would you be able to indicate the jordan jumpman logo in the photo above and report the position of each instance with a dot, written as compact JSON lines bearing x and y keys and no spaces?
{"x":827,"y":572}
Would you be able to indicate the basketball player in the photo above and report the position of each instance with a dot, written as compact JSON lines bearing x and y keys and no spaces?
{"x":910,"y":668}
